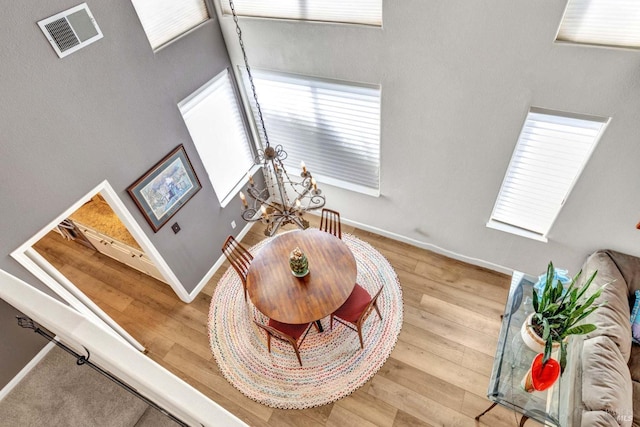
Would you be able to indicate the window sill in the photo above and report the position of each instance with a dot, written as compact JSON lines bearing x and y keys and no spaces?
{"x":515,"y":230}
{"x":234,"y":192}
{"x":323,"y":179}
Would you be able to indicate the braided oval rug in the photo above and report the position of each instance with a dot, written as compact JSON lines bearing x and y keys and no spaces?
{"x":334,"y":366}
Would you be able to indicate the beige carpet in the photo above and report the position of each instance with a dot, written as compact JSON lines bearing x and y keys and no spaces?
{"x":58,"y":392}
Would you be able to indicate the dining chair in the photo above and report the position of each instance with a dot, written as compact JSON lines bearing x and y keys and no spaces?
{"x":330,"y":222}
{"x":240,"y":259}
{"x":286,"y":332}
{"x":356,"y":309}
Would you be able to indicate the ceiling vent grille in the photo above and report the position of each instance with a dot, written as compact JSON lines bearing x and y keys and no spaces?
{"x":71,"y":30}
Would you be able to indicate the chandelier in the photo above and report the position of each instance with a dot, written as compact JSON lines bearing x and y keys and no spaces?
{"x":283,"y":200}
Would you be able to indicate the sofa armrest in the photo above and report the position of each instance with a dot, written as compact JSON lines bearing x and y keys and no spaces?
{"x":612,"y":319}
{"x":629,"y":267}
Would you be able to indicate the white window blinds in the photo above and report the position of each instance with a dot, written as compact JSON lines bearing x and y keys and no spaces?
{"x":368,"y":12}
{"x":164,"y":20}
{"x":334,"y":127}
{"x":601,"y":22}
{"x":551,"y":152}
{"x":216,"y":126}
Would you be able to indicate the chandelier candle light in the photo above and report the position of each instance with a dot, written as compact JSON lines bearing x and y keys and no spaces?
{"x":283,"y":200}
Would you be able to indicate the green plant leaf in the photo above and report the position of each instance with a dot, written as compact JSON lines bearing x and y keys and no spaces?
{"x":563,"y":356}
{"x":550,"y":274}
{"x":547,"y":329}
{"x":571,"y":290}
{"x":558,"y":291}
{"x":535,"y":301}
{"x":580,"y":330}
{"x":553,"y":307}
{"x":587,"y":284}
{"x":578,"y":311}
{"x":547,"y":351}
{"x":584,"y":314}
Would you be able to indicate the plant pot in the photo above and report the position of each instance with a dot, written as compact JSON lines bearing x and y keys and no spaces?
{"x":532,"y":340}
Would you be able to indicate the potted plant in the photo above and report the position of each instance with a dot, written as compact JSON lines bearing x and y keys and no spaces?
{"x":557,"y":312}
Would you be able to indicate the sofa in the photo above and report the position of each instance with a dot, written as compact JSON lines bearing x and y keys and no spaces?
{"x":610,"y":389}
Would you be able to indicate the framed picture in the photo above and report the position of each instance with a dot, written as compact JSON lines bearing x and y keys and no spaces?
{"x":165,"y":188}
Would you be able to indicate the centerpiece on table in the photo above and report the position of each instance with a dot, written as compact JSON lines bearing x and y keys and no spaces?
{"x":557,"y":312}
{"x":298,"y":263}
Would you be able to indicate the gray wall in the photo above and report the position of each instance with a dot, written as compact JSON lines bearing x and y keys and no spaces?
{"x":458,"y":78}
{"x":109,"y":112}
{"x":17,"y":346}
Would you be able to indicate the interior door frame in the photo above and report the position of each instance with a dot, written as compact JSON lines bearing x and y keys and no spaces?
{"x":69,"y":292}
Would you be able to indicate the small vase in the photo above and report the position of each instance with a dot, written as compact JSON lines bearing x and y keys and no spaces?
{"x":541,"y":376}
{"x":298,"y":263}
{"x":533,"y":340}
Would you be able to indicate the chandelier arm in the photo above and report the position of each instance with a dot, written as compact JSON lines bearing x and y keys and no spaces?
{"x":249,"y":215}
{"x":260,"y":200}
{"x":317,"y":200}
{"x":246,"y":64}
{"x":258,"y":195}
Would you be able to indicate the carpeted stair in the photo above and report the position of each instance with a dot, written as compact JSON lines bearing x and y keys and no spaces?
{"x":58,"y":392}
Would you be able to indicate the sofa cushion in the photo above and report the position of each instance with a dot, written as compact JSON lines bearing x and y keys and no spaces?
{"x":606,"y":382}
{"x":612,"y":320}
{"x":598,"y":419}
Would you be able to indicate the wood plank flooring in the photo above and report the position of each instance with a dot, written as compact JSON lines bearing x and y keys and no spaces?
{"x":436,"y":376}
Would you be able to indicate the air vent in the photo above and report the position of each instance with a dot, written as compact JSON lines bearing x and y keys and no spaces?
{"x":71,"y":30}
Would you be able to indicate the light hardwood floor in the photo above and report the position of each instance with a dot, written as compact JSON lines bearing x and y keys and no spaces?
{"x":437,"y":374}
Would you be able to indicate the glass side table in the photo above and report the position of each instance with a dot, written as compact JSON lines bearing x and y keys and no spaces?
{"x":556,"y":406}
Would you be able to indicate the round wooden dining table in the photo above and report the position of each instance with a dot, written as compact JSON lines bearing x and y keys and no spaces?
{"x":281,"y":296}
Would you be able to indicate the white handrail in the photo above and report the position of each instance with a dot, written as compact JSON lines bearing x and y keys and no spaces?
{"x":119,"y":358}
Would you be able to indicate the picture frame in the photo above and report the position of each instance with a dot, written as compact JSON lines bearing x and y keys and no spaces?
{"x":165,"y":188}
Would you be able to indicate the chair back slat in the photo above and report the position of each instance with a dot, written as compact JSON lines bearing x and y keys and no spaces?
{"x":330,"y":222}
{"x":373,"y":304}
{"x":239,"y":257}
{"x":276,"y":333}
{"x":273,"y":332}
{"x":368,"y":309}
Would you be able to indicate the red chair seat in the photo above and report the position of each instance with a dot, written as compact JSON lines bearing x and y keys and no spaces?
{"x":354,"y":305}
{"x":294,"y":331}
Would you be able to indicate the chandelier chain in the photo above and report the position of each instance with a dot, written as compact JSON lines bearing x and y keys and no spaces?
{"x":281,"y":200}
{"x":246,"y":64}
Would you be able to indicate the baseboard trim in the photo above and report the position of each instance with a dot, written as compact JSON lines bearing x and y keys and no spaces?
{"x":194,"y":293}
{"x":24,"y":371}
{"x":428,"y":246}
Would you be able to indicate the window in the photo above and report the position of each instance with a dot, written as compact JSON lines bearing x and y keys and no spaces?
{"x":601,"y":22}
{"x":333,"y":126}
{"x":552,"y":150}
{"x":165,"y":20}
{"x":368,"y":12}
{"x":218,"y":131}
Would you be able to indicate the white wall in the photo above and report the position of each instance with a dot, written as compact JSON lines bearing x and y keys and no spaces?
{"x":458,"y":78}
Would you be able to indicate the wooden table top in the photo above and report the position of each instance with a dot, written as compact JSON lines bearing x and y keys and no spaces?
{"x":281,"y":296}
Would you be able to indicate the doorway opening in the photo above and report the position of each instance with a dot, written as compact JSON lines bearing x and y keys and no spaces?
{"x":146,"y":260}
